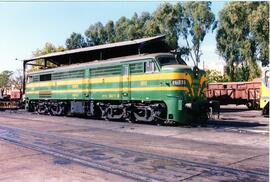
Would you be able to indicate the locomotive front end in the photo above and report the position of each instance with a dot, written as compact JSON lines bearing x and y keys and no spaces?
{"x":196,"y":106}
{"x":186,"y":95}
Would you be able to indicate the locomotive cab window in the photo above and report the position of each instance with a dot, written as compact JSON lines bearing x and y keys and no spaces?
{"x":29,"y":79}
{"x":167,"y":60}
{"x":149,"y":67}
{"x":46,"y":77}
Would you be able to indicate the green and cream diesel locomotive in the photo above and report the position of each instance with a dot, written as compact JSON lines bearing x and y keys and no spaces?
{"x":147,"y":87}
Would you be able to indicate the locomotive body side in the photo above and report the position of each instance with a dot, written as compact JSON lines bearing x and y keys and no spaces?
{"x":146,"y":88}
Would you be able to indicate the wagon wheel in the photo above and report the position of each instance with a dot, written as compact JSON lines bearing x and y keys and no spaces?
{"x":250,"y":105}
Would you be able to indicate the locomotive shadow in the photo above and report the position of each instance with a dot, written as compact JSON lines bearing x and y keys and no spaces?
{"x":228,"y":110}
{"x":233,"y":123}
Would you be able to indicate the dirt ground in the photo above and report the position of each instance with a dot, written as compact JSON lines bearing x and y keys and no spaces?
{"x":234,"y":147}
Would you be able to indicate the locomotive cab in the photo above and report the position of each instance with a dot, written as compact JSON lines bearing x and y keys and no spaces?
{"x":185,"y":97}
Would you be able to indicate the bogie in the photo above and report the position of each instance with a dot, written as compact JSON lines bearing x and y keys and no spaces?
{"x":151,"y":112}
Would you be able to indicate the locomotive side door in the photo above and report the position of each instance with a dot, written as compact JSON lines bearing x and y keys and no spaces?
{"x":126,"y":83}
{"x":88,"y":85}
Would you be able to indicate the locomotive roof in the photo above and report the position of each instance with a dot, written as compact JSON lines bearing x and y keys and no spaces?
{"x":103,"y":62}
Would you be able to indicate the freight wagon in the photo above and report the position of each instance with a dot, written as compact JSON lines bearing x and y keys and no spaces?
{"x":247,"y":93}
{"x":10,"y":99}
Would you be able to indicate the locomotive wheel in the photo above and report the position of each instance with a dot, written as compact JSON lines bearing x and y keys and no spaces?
{"x":109,"y":113}
{"x":31,"y":107}
{"x":41,"y":108}
{"x":130,"y":117}
{"x":57,"y":109}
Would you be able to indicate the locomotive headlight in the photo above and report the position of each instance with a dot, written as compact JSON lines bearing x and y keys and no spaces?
{"x":196,"y":71}
{"x":180,"y":82}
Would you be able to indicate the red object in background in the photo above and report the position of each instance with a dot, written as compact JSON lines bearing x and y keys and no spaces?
{"x":15,"y":94}
{"x":247,"y":93}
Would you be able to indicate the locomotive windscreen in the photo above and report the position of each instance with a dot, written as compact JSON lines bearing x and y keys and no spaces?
{"x":169,"y":60}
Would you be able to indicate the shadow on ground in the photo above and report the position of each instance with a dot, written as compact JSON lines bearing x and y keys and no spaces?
{"x":233,"y":123}
{"x":225,"y":110}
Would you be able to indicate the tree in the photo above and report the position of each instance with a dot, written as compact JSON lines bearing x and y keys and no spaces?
{"x":167,"y":17}
{"x":5,"y":80}
{"x":75,"y":41}
{"x":243,"y":38}
{"x":17,"y":79}
{"x":197,"y":20}
{"x":216,"y":76}
{"x":109,"y":29}
{"x":151,"y":28}
{"x":96,"y":34}
{"x":121,"y":29}
{"x":191,"y":20}
{"x":48,"y":48}
{"x":259,"y":27}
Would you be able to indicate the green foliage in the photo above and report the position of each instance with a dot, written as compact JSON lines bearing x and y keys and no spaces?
{"x":121,"y":29}
{"x":110,"y":31}
{"x":190,"y":20}
{"x":48,"y":48}
{"x":76,"y":40}
{"x":151,"y":28}
{"x":197,"y":20}
{"x":243,"y":38}
{"x":5,"y":79}
{"x":96,"y":34}
{"x":167,"y":17}
{"x":16,"y":80}
{"x":9,"y":79}
{"x":215,"y":76}
{"x":259,"y":27}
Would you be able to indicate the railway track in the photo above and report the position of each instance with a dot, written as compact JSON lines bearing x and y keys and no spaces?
{"x":136,"y":165}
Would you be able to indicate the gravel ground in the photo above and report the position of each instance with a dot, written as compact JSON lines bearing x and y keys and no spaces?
{"x":238,"y":140}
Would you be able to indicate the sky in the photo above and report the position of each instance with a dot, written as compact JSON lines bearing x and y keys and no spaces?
{"x":27,"y":26}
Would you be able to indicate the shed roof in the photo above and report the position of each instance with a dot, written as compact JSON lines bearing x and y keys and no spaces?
{"x":106,"y":51}
{"x":111,"y":61}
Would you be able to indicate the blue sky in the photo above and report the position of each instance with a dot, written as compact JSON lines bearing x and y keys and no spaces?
{"x":26,"y":26}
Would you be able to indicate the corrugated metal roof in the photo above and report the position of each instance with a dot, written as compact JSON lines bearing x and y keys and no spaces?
{"x":94,"y":48}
